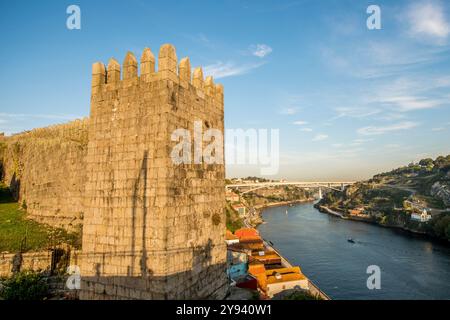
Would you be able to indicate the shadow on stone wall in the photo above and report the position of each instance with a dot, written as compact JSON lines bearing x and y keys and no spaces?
{"x":141,"y":179}
{"x":127,"y":274}
{"x":191,"y":284}
{"x":14,"y":186}
{"x":2,"y":170}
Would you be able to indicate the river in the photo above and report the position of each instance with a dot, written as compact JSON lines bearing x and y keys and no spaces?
{"x":411,"y":267}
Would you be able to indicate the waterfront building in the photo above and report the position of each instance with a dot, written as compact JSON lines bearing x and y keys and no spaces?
{"x":248,"y":282}
{"x":236,"y":271}
{"x":247,"y":232}
{"x":275,"y":281}
{"x":247,"y":246}
{"x":256,"y":267}
{"x":241,"y":209}
{"x":422,"y":216}
{"x":231,"y":196}
{"x":237,"y":264}
{"x":230,"y":238}
{"x":266,"y":257}
{"x":236,"y":256}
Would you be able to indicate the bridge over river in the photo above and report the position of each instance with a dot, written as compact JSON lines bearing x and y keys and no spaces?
{"x":252,"y":186}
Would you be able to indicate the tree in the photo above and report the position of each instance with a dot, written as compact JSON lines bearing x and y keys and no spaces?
{"x":426,"y":162}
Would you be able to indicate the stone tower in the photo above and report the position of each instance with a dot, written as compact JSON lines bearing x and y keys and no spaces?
{"x":152,"y":229}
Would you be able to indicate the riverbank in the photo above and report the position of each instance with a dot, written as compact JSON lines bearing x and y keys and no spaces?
{"x":259,"y":209}
{"x":314,"y":290}
{"x":404,"y":229}
{"x":412,"y":267}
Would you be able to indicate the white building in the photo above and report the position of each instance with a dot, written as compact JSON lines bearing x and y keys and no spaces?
{"x":424,"y":216}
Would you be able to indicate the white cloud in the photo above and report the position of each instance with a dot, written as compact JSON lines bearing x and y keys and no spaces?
{"x":411,"y":103}
{"x":306,"y":129}
{"x":300,"y":123}
{"x":261,"y":50}
{"x":373,"y":130}
{"x":337,"y":145}
{"x":289,"y":111}
{"x":438,"y":129}
{"x":382,"y":58}
{"x":427,"y":20}
{"x":356,"y":112}
{"x":320,"y":137}
{"x":222,"y":70}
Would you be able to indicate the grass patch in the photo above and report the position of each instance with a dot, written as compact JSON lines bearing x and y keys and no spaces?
{"x":17,"y":233}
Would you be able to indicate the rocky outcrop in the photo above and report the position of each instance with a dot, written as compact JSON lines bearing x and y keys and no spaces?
{"x":441,"y":190}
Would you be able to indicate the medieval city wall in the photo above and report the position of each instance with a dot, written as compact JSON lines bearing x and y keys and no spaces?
{"x":45,"y":169}
{"x":152,"y":228}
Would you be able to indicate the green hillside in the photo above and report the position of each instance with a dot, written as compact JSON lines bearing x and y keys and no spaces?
{"x":390,"y":198}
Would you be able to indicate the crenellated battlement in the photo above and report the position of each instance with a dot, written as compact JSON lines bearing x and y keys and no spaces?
{"x":168,"y":69}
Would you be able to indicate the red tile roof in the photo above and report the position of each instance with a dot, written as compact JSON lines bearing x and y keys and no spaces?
{"x":246,"y":232}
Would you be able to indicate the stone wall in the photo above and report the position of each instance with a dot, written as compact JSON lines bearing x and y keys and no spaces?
{"x":45,"y":169}
{"x":37,"y":261}
{"x":152,"y":229}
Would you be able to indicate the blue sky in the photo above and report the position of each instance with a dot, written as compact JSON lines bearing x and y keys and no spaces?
{"x":349,"y":102}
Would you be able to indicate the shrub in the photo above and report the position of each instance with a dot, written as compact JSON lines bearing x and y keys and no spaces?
{"x":25,"y":285}
{"x":301,"y":295}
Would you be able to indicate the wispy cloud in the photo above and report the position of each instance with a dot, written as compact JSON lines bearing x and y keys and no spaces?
{"x":306,"y":129}
{"x":362,"y":140}
{"x":381,"y":59}
{"x":201,"y":39}
{"x":228,"y":69}
{"x":300,"y":122}
{"x":289,"y":111}
{"x":354,"y":143}
{"x":411,"y":103}
{"x":395,"y":96}
{"x":427,"y":20}
{"x":443,"y":127}
{"x":355,"y":112}
{"x":260,"y":50}
{"x":377,"y":130}
{"x":320,"y":137}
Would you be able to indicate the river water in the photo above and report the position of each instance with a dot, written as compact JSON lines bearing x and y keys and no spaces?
{"x":411,"y":267}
